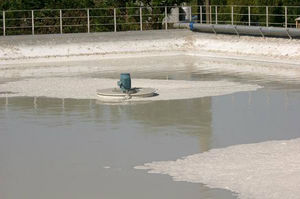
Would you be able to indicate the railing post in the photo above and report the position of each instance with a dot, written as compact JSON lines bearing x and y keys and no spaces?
{"x":249,"y":15}
{"x":141,"y":19}
{"x":286,"y":19}
{"x":166,"y":18}
{"x":60,"y":22}
{"x":267,"y":16}
{"x":232,"y":18}
{"x":191,"y":13}
{"x":216,"y":9}
{"x":210,"y":15}
{"x":32,"y":21}
{"x":201,"y":20}
{"x":115,"y":20}
{"x":4,"y":27}
{"x":88,"y":20}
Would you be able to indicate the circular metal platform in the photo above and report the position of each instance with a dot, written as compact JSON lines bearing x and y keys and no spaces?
{"x":115,"y":94}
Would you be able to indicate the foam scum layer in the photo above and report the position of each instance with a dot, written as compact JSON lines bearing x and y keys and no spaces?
{"x":264,"y":170}
{"x":85,"y":88}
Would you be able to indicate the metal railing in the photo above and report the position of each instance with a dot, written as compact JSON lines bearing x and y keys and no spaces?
{"x":276,"y":16}
{"x":60,"y":21}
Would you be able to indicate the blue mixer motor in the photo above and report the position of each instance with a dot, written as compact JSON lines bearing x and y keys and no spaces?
{"x":125,"y":82}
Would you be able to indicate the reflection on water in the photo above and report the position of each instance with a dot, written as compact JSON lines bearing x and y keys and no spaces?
{"x":178,"y":115}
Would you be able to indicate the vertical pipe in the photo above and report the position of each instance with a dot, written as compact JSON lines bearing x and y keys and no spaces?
{"x":115,"y":20}
{"x":286,"y":20}
{"x":60,"y":22}
{"x":210,"y":15}
{"x":4,"y":27}
{"x":166,"y":18}
{"x":201,"y":20}
{"x":249,"y":15}
{"x":216,"y":9}
{"x":267,"y":16}
{"x":232,"y":20}
{"x":88,"y":20}
{"x":141,"y":19}
{"x":32,"y":21}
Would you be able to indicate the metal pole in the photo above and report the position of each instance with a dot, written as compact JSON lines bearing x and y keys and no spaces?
{"x":141,"y":19}
{"x":32,"y":21}
{"x":216,"y":9}
{"x":166,"y":18}
{"x":115,"y":20}
{"x":286,"y":19}
{"x":267,"y":16}
{"x":210,"y":15}
{"x":60,"y":22}
{"x":4,"y":30}
{"x":249,"y":15}
{"x":88,"y":20}
{"x":191,"y":13}
{"x":232,"y":20}
{"x":201,"y":20}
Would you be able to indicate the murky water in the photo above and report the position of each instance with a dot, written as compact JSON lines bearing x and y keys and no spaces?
{"x":65,"y":148}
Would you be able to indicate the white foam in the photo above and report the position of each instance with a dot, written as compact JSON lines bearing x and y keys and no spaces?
{"x":264,"y":170}
{"x":85,"y":88}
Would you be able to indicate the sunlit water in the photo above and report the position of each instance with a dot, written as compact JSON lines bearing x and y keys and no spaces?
{"x":75,"y":149}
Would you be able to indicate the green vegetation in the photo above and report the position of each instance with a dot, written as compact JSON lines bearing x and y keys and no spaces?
{"x":68,"y":4}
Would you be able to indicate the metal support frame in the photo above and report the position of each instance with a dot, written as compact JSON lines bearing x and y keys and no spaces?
{"x":232,"y":18}
{"x":267,"y":16}
{"x":213,"y":28}
{"x":60,"y":22}
{"x":287,"y":31}
{"x":238,"y":34}
{"x":166,"y":18}
{"x":88,"y":20}
{"x":262,"y":34}
{"x":32,"y":21}
{"x":141,"y":19}
{"x":115,"y":20}
{"x":249,"y":15}
{"x":216,"y":10}
{"x":286,"y":19}
{"x":4,"y":26}
{"x":201,"y":17}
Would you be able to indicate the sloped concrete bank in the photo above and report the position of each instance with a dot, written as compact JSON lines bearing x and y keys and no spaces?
{"x":44,"y":48}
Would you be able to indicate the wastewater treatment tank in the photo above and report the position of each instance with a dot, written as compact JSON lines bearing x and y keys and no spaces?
{"x":124,"y":91}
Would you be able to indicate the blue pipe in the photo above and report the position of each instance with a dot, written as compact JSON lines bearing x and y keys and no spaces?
{"x":191,"y":26}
